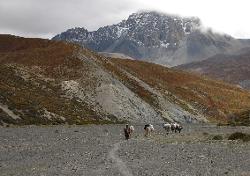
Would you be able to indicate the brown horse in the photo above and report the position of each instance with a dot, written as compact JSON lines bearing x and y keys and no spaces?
{"x":128,"y":130}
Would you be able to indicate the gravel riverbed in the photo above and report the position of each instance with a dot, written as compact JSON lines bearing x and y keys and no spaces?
{"x":93,"y":150}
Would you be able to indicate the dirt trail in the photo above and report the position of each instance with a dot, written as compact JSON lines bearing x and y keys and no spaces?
{"x":118,"y":162}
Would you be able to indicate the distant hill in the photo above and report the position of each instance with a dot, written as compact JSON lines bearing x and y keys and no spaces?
{"x":156,"y":37}
{"x":52,"y":82}
{"x":232,"y":68}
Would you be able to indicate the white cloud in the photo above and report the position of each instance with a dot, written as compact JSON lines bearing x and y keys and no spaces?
{"x":228,"y":16}
{"x":48,"y":17}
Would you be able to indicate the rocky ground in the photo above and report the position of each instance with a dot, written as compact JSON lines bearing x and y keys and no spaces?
{"x":101,"y":150}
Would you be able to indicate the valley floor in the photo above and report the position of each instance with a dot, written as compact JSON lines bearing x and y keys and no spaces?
{"x":94,"y":150}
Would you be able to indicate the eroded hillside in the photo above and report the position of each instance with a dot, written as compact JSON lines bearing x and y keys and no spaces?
{"x":50,"y":82}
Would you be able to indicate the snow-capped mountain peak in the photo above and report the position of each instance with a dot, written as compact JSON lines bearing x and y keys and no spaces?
{"x":155,"y":37}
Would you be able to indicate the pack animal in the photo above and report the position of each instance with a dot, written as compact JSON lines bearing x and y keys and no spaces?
{"x":167,"y":127}
{"x":128,"y":130}
{"x":149,"y":128}
{"x":176,"y":127}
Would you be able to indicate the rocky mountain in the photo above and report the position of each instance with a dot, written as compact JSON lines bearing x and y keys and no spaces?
{"x":155,"y":37}
{"x":53,"y":82}
{"x":232,"y":68}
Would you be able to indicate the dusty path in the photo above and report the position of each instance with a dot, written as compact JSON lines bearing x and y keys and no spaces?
{"x":118,"y":162}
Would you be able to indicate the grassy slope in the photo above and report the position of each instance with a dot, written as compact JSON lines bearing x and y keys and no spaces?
{"x":59,"y":61}
{"x":28,"y":98}
{"x":229,"y":68}
{"x":213,"y":98}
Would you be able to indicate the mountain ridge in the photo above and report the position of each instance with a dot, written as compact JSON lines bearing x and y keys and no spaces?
{"x":155,"y":37}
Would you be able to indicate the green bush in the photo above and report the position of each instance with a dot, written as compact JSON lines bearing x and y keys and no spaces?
{"x":217,"y":137}
{"x":239,"y":136}
{"x":221,"y":124}
{"x":205,"y":133}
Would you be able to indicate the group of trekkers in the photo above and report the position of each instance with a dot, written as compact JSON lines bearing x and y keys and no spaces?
{"x":149,"y":128}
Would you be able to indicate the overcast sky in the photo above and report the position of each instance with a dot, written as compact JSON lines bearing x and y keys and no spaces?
{"x":45,"y":18}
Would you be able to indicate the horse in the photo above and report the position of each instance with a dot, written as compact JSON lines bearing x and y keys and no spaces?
{"x":149,"y":128}
{"x":167,"y":127}
{"x":128,"y":130}
{"x":173,"y":127}
{"x":176,"y":127}
{"x":131,"y":130}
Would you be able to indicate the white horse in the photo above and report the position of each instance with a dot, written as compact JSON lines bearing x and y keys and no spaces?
{"x":149,"y":128}
{"x":131,"y":130}
{"x":167,"y":127}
